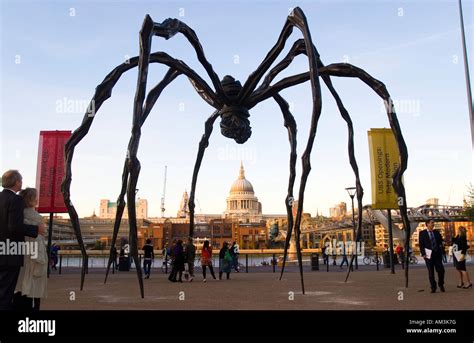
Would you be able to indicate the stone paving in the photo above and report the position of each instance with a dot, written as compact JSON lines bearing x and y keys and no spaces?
{"x":260,"y":289}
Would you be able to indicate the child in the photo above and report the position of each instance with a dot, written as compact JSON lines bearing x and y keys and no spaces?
{"x":31,"y":285}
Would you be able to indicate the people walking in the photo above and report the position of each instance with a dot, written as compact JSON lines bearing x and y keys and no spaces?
{"x":148,"y":257}
{"x":445,"y":253}
{"x":178,"y":262}
{"x":13,"y":230}
{"x":431,"y":245}
{"x":334,"y":257}
{"x":234,"y":252}
{"x":165,"y":253}
{"x":344,"y":257}
{"x":399,"y":252}
{"x":173,"y":271}
{"x":54,"y":256}
{"x":190,"y":257}
{"x":225,"y":261}
{"x":206,"y":260}
{"x":460,"y":248}
{"x":114,"y":257}
{"x":325,"y":257}
{"x":32,"y":281}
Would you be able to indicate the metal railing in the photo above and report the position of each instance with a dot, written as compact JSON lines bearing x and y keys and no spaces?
{"x":253,"y":259}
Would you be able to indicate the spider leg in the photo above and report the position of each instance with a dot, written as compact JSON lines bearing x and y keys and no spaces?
{"x":247,"y":97}
{"x":299,"y":20}
{"x":102,"y":93}
{"x":299,"y":48}
{"x":149,"y":28}
{"x":203,"y":144}
{"x":149,"y":103}
{"x":348,"y":70}
{"x":118,"y":217}
{"x":133,"y":164}
{"x":290,"y":124}
{"x":352,"y":159}
{"x":170,"y":27}
{"x":254,"y":78}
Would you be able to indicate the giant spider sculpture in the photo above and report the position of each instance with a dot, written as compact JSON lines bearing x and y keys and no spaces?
{"x":232,"y":103}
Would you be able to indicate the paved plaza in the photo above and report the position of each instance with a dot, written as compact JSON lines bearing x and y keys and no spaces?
{"x":260,"y":289}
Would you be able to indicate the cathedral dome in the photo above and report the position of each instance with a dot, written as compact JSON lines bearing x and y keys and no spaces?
{"x":241,"y":184}
{"x":242,"y":204}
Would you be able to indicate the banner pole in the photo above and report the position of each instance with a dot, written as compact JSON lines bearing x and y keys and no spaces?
{"x":390,"y":240}
{"x":50,"y":237}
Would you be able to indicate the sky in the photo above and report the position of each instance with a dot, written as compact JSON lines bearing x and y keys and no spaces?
{"x":54,"y":54}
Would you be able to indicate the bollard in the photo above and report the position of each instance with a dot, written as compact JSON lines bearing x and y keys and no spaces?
{"x":356,"y":259}
{"x":377,"y":259}
{"x":60,"y":263}
{"x":246,"y":263}
{"x":327,"y":263}
{"x":273,"y":262}
{"x":314,"y":261}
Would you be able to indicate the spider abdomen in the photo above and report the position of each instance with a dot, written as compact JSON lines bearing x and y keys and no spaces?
{"x":235,"y":123}
{"x":234,"y":118}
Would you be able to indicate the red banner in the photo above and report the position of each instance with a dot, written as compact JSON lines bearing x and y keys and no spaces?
{"x":50,"y":171}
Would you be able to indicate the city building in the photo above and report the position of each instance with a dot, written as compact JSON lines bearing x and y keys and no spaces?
{"x":250,"y":235}
{"x":381,"y":236}
{"x":432,"y":202}
{"x":242,"y":204}
{"x":96,"y":232}
{"x":338,"y":211}
{"x":163,"y":232}
{"x":108,"y":209}
{"x":183,"y":211}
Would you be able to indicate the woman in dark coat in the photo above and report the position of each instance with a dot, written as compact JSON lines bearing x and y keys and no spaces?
{"x":179,"y":259}
{"x":460,"y":248}
{"x":225,"y":261}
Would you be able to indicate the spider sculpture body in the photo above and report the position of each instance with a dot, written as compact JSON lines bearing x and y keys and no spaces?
{"x":232,"y":102}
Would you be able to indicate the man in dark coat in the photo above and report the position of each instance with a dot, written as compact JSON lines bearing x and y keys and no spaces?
{"x":12,"y":235}
{"x":431,"y":248}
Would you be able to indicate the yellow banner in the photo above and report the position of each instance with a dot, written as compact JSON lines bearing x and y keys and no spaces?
{"x":384,"y":160}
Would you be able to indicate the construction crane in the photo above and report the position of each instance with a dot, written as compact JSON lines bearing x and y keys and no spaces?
{"x":163,"y":196}
{"x":199,"y":205}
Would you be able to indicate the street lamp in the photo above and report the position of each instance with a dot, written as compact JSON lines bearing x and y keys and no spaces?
{"x":352,"y":192}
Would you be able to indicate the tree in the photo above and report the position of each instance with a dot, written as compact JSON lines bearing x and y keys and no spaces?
{"x":469,"y":203}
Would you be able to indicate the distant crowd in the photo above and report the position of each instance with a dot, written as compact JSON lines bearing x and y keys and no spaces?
{"x":182,"y":257}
